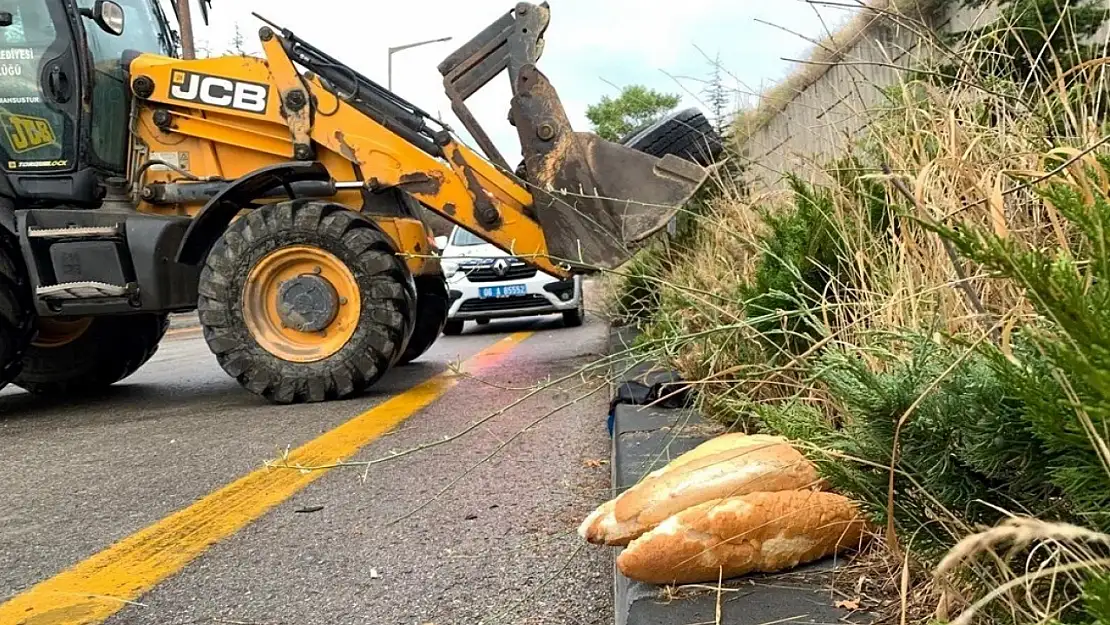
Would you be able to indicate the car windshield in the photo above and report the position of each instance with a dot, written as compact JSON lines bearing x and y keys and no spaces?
{"x":464,"y":238}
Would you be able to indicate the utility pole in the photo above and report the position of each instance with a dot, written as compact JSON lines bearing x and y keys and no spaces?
{"x":185,"y":21}
{"x":389,"y":78}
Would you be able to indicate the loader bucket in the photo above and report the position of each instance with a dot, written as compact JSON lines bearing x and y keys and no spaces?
{"x":594,"y":199}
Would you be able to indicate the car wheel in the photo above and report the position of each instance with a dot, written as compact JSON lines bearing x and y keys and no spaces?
{"x":453,"y":327}
{"x":574,"y":318}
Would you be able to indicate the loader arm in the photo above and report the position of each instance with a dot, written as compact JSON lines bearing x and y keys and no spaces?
{"x":583,"y":206}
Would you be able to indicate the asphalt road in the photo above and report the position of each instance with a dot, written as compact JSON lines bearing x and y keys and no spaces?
{"x":376,"y":545}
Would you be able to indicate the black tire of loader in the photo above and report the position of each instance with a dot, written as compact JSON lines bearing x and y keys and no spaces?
{"x":108,"y":351}
{"x":431,"y":316}
{"x":386,"y":286}
{"x":687,"y":134}
{"x":16,"y":308}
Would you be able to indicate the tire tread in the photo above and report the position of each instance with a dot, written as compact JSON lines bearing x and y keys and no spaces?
{"x":16,"y":309}
{"x":431,"y":316}
{"x":687,"y":134}
{"x":111,"y":350}
{"x":388,"y":302}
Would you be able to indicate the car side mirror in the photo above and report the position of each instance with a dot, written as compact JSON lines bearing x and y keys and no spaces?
{"x":441,"y":241}
{"x":108,"y":16}
{"x":5,"y":19}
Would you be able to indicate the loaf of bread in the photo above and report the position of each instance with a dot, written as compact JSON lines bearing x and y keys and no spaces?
{"x":721,"y":467}
{"x":759,"y":532}
{"x":715,"y":445}
{"x":602,"y":527}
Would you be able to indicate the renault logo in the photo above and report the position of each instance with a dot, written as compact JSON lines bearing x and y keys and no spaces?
{"x":501,"y":266}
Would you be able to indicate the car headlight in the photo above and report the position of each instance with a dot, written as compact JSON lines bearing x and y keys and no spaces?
{"x":450,"y":268}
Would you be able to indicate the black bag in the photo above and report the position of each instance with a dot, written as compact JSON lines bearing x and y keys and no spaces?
{"x":663,"y":389}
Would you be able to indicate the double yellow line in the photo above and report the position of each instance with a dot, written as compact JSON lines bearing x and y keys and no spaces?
{"x":101,"y":585}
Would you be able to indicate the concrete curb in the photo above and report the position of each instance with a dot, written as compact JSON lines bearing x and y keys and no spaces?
{"x":646,"y":438}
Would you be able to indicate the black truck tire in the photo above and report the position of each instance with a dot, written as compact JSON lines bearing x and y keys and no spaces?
{"x":687,"y":134}
{"x":107,"y":350}
{"x":263,"y":357}
{"x":431,"y":315}
{"x":16,"y":309}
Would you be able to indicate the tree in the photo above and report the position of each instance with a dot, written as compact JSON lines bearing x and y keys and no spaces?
{"x":613,"y":118}
{"x":717,"y":97}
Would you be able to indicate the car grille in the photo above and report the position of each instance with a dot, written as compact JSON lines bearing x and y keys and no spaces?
{"x":504,"y":303}
{"x":517,"y":270}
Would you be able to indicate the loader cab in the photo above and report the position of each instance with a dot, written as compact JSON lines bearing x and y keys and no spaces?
{"x":64,"y":98}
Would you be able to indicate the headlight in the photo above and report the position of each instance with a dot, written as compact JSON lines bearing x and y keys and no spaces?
{"x":450,"y":267}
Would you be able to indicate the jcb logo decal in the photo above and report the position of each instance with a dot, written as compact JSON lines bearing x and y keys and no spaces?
{"x":216,"y":91}
{"x":26,"y":133}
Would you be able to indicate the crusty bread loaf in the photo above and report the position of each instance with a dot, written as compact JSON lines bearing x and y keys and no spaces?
{"x":768,"y":466}
{"x":716,"y":469}
{"x":758,"y":532}
{"x":601,"y":527}
{"x":715,"y":445}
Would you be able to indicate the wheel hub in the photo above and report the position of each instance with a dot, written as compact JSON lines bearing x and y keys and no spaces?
{"x":307,"y":303}
{"x":56,"y":332}
{"x":301,"y":303}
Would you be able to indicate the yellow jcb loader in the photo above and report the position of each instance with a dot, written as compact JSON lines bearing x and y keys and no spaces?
{"x":280,"y":197}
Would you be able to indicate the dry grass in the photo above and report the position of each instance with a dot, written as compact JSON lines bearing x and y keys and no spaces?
{"x":1052,"y":559}
{"x":970,"y":151}
{"x":963,"y":152}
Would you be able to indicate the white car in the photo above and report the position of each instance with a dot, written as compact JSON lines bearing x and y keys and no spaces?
{"x":486,"y":283}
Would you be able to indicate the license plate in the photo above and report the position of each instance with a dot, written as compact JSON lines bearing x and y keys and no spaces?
{"x":508,"y":290}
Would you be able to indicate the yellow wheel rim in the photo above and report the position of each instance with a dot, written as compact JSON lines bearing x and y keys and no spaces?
{"x":56,"y":332}
{"x":301,"y":303}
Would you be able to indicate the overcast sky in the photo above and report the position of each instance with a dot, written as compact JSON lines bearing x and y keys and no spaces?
{"x":593,"y":47}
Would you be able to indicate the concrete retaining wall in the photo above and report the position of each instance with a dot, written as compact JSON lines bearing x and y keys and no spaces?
{"x":812,"y":115}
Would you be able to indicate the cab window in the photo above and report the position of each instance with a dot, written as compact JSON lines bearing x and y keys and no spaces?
{"x":30,"y":131}
{"x":143,"y":31}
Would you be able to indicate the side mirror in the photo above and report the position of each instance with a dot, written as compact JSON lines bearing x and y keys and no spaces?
{"x":108,"y":16}
{"x":441,"y":241}
{"x":5,"y":19}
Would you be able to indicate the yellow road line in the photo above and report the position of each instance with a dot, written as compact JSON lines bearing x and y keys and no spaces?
{"x":101,"y":585}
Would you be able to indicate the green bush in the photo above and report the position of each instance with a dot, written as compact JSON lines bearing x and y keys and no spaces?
{"x":1064,"y":378}
{"x":798,"y":259}
{"x":983,"y":430}
{"x":806,"y":256}
{"x":968,"y":445}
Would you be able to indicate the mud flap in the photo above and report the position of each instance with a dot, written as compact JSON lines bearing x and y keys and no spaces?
{"x":595,"y":200}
